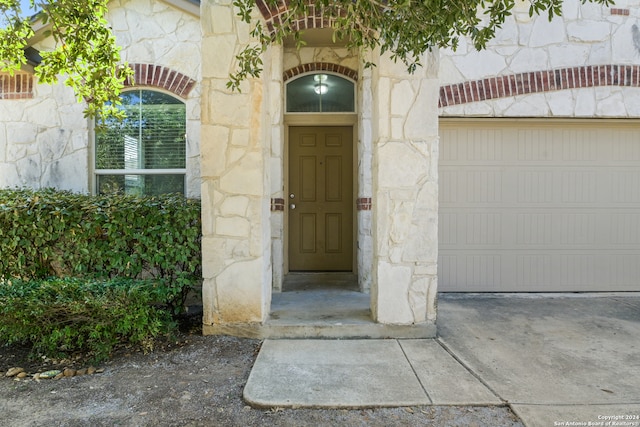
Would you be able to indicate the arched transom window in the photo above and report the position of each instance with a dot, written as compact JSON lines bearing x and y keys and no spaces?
{"x":320,"y":93}
{"x":146,"y":152}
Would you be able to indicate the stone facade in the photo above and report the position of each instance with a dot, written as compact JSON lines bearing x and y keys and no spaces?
{"x":404,"y":131}
{"x":243,"y":153}
{"x":44,"y":139}
{"x":583,"y":64}
{"x":235,"y":159}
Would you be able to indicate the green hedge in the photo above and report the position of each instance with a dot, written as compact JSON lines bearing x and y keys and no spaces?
{"x":60,"y":317}
{"x":49,"y":233}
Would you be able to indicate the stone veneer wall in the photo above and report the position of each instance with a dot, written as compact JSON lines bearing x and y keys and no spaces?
{"x":583,"y":64}
{"x":235,"y":156}
{"x":404,"y":131}
{"x":44,"y":139}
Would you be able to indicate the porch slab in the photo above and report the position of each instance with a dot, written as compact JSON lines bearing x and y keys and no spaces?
{"x":332,"y":313}
{"x":327,"y":313}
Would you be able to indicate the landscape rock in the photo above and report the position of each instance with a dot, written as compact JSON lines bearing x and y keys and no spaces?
{"x":13,"y":372}
{"x":68,"y":372}
{"x":49,"y":374}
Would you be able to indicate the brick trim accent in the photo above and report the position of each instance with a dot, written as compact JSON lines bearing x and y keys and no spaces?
{"x":161,"y":77}
{"x":363,"y":203}
{"x":313,"y":19}
{"x":320,"y":66}
{"x":277,"y":205}
{"x":18,"y":86}
{"x":619,"y":11}
{"x":539,"y":81}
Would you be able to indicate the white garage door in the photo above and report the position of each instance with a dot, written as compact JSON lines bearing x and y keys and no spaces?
{"x":539,"y":206}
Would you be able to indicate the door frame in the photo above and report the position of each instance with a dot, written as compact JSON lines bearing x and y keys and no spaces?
{"x":325,"y":120}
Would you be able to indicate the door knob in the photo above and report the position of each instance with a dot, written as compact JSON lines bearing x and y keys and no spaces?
{"x":292,"y":196}
{"x":292,"y":206}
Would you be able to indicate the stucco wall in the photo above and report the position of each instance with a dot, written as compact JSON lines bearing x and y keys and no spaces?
{"x":588,"y":43}
{"x":46,"y":142}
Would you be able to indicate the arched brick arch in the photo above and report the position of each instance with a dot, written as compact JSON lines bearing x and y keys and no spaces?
{"x":16,"y":86}
{"x":274,"y":14}
{"x":161,"y":77}
{"x":538,"y":82}
{"x":320,"y":66}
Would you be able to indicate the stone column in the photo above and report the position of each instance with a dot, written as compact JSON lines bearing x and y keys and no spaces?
{"x":405,"y":192}
{"x":235,"y":187}
{"x":275,"y":102}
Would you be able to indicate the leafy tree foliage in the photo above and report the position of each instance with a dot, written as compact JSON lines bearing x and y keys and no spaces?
{"x":405,"y":28}
{"x":85,"y":49}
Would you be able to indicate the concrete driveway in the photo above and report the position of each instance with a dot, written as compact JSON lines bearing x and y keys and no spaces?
{"x":556,"y":360}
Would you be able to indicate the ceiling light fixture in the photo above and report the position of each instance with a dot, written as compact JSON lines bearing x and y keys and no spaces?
{"x":321,"y":89}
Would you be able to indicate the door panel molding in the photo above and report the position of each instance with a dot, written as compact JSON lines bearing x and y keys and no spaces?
{"x":321,"y":211}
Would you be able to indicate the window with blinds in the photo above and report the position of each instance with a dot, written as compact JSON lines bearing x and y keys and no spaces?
{"x":146,"y":152}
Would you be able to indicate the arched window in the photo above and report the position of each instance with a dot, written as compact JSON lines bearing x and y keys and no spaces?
{"x":320,"y":93}
{"x":146,"y":152}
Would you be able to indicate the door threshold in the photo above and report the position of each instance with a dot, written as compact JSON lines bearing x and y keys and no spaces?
{"x":305,"y":281}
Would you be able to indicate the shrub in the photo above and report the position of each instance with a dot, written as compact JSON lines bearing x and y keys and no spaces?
{"x":59,"y":317}
{"x":49,"y":233}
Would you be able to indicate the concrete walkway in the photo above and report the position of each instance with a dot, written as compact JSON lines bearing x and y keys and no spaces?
{"x":556,"y":360}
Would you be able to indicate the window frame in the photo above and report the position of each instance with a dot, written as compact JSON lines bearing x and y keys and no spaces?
{"x":141,"y":172}
{"x":311,"y":73}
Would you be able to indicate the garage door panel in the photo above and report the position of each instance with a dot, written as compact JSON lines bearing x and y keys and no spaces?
{"x":625,"y":149}
{"x":485,"y":146}
{"x":624,"y":229}
{"x":532,"y":272}
{"x":557,"y":210}
{"x":579,"y":146}
{"x":580,"y":186}
{"x":534,"y":229}
{"x":625,"y":187}
{"x":483,"y":270}
{"x":625,"y":268}
{"x":535,"y":186}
